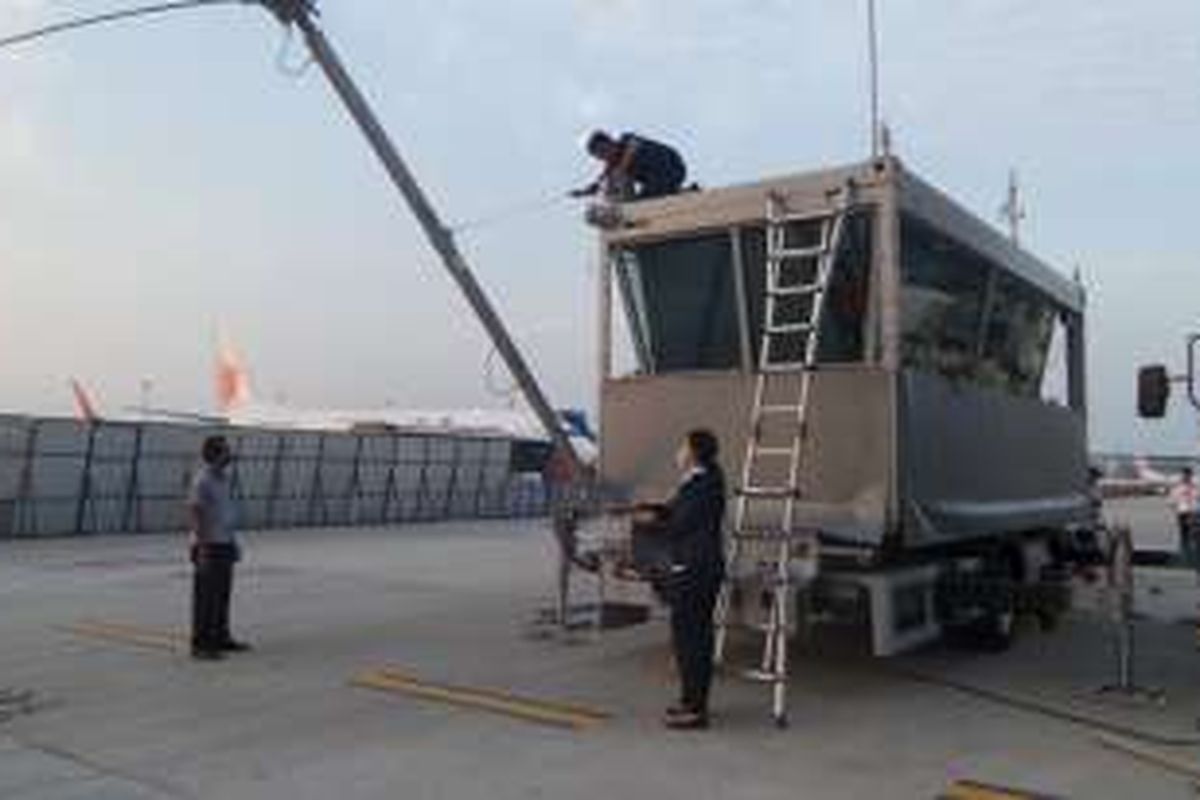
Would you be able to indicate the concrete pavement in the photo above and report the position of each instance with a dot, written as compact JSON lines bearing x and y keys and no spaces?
{"x":447,"y":603}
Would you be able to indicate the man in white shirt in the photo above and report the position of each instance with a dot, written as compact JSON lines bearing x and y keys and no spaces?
{"x":214,"y":551}
{"x":1185,"y":499}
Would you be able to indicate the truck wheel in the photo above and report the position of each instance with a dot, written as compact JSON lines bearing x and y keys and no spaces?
{"x":992,"y":626}
{"x":998,"y":626}
{"x":997,"y":630}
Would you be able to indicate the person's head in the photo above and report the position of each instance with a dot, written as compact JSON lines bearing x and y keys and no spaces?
{"x":698,"y":449}
{"x":1186,"y":474}
{"x":215,"y":452}
{"x":602,"y":146}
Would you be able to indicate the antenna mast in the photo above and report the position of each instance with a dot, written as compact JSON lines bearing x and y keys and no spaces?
{"x":1013,"y":210}
{"x":877,"y":146}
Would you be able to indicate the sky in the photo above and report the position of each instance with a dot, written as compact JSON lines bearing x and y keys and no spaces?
{"x":164,"y":178}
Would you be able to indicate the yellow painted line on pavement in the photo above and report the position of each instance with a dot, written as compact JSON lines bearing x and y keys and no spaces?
{"x":544,"y":712}
{"x":973,"y":790}
{"x":121,"y":633}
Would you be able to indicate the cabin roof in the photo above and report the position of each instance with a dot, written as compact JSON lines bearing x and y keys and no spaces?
{"x":692,"y":213}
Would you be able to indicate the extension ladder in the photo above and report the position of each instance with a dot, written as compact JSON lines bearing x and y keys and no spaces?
{"x":797,"y":284}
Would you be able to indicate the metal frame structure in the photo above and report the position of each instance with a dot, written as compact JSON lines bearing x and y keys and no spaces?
{"x":888,"y":472}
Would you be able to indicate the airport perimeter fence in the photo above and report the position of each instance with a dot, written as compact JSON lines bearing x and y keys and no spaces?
{"x":62,"y":477}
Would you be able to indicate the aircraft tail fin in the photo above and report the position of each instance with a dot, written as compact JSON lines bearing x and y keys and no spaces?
{"x":230,"y":377}
{"x":85,"y":408}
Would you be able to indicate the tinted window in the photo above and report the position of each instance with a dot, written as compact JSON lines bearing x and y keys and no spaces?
{"x":680,"y":295}
{"x":942,"y":300}
{"x":1019,"y":326}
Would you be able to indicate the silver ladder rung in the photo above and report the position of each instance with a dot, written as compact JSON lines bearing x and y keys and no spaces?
{"x":763,"y":676}
{"x":790,"y":327}
{"x":779,"y":409}
{"x":780,"y":452}
{"x":788,"y":366}
{"x":798,"y":290}
{"x":801,"y":216}
{"x":757,"y":627}
{"x":769,"y":492}
{"x":795,"y":253}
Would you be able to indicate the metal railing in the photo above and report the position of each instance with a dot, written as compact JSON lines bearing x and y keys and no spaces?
{"x":61,"y":477}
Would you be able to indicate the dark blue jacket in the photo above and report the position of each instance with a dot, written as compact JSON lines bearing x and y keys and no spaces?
{"x":695,"y":519}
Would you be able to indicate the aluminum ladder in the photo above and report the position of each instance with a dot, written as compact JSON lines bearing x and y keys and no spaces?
{"x":797,"y":284}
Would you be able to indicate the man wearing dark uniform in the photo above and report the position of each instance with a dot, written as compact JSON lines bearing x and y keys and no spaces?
{"x":635,"y":167}
{"x":692,"y":522}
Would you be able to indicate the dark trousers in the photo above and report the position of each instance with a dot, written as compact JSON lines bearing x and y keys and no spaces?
{"x":212,"y":586}
{"x":660,"y":183}
{"x":1187,"y":537}
{"x":692,"y":639}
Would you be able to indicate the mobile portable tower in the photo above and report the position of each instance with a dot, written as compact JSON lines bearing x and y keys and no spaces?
{"x":903,"y":432}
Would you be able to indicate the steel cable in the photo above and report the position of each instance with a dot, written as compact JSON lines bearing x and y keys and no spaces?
{"x":108,"y":17}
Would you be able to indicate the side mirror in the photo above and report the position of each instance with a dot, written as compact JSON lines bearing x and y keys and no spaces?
{"x":1153,"y":390}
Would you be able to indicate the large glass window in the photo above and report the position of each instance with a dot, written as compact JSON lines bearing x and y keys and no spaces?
{"x":1020,"y":323}
{"x":680,"y":296}
{"x":964,"y":318}
{"x":942,"y":302}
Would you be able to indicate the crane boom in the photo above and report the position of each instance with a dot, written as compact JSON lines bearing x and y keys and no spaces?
{"x":300,"y":13}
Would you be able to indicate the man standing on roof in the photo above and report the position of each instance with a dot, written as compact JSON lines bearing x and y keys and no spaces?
{"x":635,"y":167}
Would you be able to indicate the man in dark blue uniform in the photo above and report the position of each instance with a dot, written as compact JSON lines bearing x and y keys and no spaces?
{"x":635,"y":167}
{"x":690,"y":576}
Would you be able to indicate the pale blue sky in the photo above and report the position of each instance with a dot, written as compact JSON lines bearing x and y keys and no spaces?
{"x":159,"y":176}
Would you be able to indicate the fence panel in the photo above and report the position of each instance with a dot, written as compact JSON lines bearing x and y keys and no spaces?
{"x":61,"y":477}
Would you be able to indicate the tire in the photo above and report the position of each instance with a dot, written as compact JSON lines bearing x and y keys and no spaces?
{"x":996,"y":631}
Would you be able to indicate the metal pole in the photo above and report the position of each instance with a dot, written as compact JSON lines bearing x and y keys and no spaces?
{"x":353,"y":506}
{"x":26,"y":518}
{"x":85,"y":480}
{"x":131,"y":517}
{"x":737,"y":263}
{"x":873,"y":55}
{"x":423,"y":483}
{"x":276,"y":478}
{"x":440,"y":237}
{"x":389,"y":489}
{"x":316,"y":489}
{"x":452,"y":484}
{"x":480,"y":485}
{"x":604,"y":327}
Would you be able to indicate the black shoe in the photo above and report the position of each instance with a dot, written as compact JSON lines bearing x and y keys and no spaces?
{"x":234,"y":646}
{"x":687,"y":721}
{"x":204,"y":654}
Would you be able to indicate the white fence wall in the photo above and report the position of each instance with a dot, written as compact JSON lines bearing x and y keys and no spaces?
{"x":60,"y":477}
